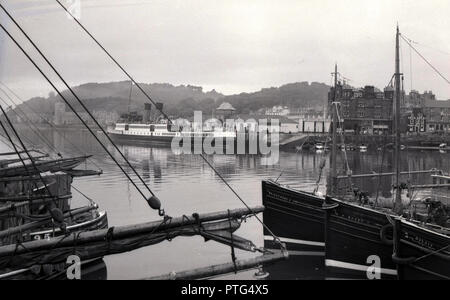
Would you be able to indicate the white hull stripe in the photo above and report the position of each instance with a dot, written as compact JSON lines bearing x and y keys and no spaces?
{"x":299,"y":253}
{"x":356,"y":267}
{"x":294,"y":241}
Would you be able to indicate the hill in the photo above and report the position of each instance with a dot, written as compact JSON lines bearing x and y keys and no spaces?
{"x":293,"y":95}
{"x":182,"y":100}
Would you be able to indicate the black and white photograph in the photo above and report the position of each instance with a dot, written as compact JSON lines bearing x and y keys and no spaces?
{"x":225,"y":146}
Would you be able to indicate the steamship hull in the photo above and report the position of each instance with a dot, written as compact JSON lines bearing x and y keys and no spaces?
{"x":359,"y":243}
{"x":232,"y":145}
{"x":421,"y":253}
{"x":134,"y":139}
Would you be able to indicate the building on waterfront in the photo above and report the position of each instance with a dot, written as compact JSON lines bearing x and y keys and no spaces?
{"x":416,"y":99}
{"x":437,"y":115}
{"x":364,"y":110}
{"x":314,"y":124}
{"x":263,"y":123}
{"x":278,"y":110}
{"x":416,"y":121}
{"x":225,"y":111}
{"x":431,"y":116}
{"x":62,"y":117}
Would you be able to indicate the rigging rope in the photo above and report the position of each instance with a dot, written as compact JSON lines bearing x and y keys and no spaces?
{"x":296,"y":152}
{"x":32,"y":127}
{"x":162,"y":112}
{"x":421,"y":56}
{"x":347,"y":165}
{"x":52,"y":125}
{"x":161,"y":212}
{"x":29,"y":156}
{"x":383,"y":147}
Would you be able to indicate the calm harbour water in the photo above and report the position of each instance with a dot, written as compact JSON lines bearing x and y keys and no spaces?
{"x":185,"y":184}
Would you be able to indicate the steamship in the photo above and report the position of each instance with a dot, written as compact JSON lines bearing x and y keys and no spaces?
{"x":164,"y":133}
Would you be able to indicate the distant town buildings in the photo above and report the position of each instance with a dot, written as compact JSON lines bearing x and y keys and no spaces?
{"x":416,"y":99}
{"x":416,"y":121}
{"x":278,"y":111}
{"x":364,"y":110}
{"x":63,"y":117}
{"x":430,"y":116}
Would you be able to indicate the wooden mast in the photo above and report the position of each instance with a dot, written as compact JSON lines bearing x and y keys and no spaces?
{"x":334,"y":137}
{"x":398,"y":208}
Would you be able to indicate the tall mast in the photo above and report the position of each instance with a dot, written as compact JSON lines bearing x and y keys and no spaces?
{"x":398,"y":199}
{"x":335,"y":120}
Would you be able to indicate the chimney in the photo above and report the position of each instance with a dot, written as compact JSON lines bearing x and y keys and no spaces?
{"x":147,"y":110}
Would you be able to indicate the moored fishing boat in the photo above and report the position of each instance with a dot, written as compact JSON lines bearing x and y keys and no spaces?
{"x":360,"y":240}
{"x":421,"y":251}
{"x":295,"y":216}
{"x":357,"y":237}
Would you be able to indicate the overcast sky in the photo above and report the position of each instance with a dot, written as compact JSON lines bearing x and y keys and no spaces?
{"x":231,"y":45}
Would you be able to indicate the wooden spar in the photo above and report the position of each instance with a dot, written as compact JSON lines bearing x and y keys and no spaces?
{"x":112,"y":245}
{"x":37,"y":224}
{"x":26,"y":177}
{"x":83,"y":173}
{"x":125,"y":231}
{"x":16,"y":160}
{"x":44,"y":166}
{"x":398,"y":196}
{"x":334,"y":108}
{"x":32,"y":198}
{"x":222,"y":269}
{"x":5,"y":209}
{"x":20,"y":152}
{"x":388,"y":174}
{"x":430,"y":186}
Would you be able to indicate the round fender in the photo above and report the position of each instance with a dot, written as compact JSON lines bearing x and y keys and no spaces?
{"x":383,"y":234}
{"x":57,"y":215}
{"x":154,"y":202}
{"x":401,"y":260}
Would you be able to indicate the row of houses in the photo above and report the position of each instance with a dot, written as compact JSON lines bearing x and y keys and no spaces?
{"x":431,"y":116}
{"x":63,"y":117}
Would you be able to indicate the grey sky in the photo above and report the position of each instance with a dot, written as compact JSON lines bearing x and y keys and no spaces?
{"x":231,"y":45}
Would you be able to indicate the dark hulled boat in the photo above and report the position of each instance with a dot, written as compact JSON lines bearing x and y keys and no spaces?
{"x":421,"y":252}
{"x":359,"y":240}
{"x":296,"y":217}
{"x":356,"y":238}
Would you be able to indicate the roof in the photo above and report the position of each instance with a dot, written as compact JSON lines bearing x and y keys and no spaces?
{"x":281,"y":119}
{"x":437,"y":103}
{"x":226,"y":106}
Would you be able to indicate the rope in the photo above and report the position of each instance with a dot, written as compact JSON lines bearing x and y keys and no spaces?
{"x":81,"y":103}
{"x":32,"y":127}
{"x":81,"y":119}
{"x":431,"y":253}
{"x":347,"y":165}
{"x":26,"y":151}
{"x":380,"y":172}
{"x":52,"y":125}
{"x":233,"y":254}
{"x":164,"y":114}
{"x":296,"y":152}
{"x":10,"y":109}
{"x":84,"y":195}
{"x":421,"y":56}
